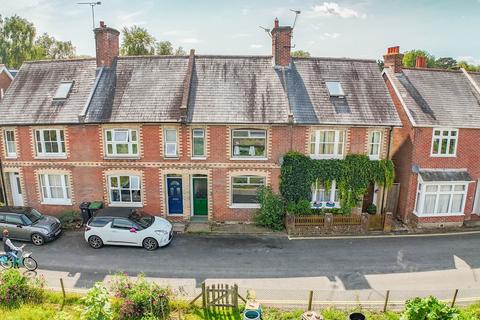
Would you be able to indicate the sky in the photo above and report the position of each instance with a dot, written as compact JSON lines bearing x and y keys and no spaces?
{"x":334,"y":28}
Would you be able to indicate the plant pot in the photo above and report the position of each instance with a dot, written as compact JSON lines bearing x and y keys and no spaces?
{"x":251,"y":315}
{"x":356,"y":316}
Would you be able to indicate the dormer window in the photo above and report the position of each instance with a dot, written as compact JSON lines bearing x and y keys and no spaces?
{"x":63,"y":90}
{"x":335,"y":88}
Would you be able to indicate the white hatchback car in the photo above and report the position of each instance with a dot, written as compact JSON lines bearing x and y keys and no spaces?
{"x":127,"y":227}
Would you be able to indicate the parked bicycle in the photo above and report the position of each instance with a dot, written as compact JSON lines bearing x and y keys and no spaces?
{"x":24,"y":259}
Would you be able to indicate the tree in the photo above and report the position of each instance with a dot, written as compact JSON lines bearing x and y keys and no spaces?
{"x":50,"y":48}
{"x":301,"y":54}
{"x":180,"y":52}
{"x":137,"y":41}
{"x":469,"y":67}
{"x":16,"y":41}
{"x":445,"y":63}
{"x":409,"y":59}
{"x":165,"y":48}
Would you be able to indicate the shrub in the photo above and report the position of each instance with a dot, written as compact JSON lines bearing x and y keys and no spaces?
{"x":372,"y":209}
{"x":272,"y":209}
{"x":97,"y":304}
{"x":16,"y":289}
{"x":140,"y":298}
{"x":301,"y":208}
{"x":428,"y":309}
{"x":70,"y":220}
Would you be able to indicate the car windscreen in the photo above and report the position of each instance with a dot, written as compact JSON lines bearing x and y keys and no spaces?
{"x":33,"y":215}
{"x":143,"y":220}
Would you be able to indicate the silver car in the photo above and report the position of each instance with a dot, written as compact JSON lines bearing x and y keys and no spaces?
{"x":27,"y":224}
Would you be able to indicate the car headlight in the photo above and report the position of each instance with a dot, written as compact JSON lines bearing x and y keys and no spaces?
{"x":44,"y":231}
{"x":161,"y":232}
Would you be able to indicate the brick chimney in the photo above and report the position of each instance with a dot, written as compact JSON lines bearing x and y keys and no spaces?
{"x":281,"y":44}
{"x":421,"y":62}
{"x":107,"y":45}
{"x":393,"y":59}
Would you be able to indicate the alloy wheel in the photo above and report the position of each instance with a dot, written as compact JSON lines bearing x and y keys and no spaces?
{"x":95,"y":242}
{"x":150,"y":244}
{"x":37,"y":239}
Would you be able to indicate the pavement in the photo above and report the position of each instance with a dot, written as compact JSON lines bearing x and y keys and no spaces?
{"x":279,"y":270}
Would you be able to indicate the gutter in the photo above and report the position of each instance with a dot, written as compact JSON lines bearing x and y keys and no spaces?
{"x":83,"y":114}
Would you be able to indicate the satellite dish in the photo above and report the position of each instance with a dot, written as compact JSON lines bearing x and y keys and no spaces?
{"x":280,"y":160}
{"x":415,"y":169}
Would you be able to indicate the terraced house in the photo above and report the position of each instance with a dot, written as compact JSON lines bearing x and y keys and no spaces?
{"x":184,"y":136}
{"x":436,"y":150}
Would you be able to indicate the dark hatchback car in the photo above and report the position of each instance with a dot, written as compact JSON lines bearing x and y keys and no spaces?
{"x":27,"y":224}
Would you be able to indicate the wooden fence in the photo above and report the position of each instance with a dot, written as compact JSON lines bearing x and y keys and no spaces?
{"x":219,"y":296}
{"x":350,"y":220}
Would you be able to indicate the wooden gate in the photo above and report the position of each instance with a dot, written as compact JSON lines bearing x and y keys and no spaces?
{"x":219,"y":296}
{"x":376,"y":222}
{"x":392,"y":199}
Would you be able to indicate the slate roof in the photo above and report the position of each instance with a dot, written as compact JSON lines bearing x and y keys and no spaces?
{"x":439,"y":97}
{"x":28,"y":100}
{"x":223,"y":89}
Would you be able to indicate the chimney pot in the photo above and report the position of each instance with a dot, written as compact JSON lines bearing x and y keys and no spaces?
{"x":102,"y":24}
{"x":276,"y":23}
{"x":106,"y":44}
{"x":393,"y":59}
{"x":421,"y":62}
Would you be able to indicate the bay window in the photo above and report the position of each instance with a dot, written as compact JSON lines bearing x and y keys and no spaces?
{"x":55,"y":189}
{"x":446,"y":198}
{"x":121,"y":142}
{"x":327,"y":144}
{"x":249,"y":143}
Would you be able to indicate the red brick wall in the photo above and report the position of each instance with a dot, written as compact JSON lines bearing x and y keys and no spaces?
{"x":4,"y":82}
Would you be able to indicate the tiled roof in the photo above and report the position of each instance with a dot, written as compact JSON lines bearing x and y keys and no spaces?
{"x":222,"y":89}
{"x":439,"y":97}
{"x":444,"y":175}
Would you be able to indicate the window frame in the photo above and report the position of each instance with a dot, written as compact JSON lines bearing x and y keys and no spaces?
{"x":371,"y":143}
{"x":449,"y":138}
{"x":8,"y":153}
{"x":334,"y":196}
{"x":167,"y":143}
{"x":341,"y":92}
{"x":44,"y":183}
{"x":203,"y":137}
{"x":248,"y":176}
{"x":129,"y":142}
{"x":119,"y":188}
{"x":63,"y":97}
{"x":249,"y":133}
{"x":422,"y":192}
{"x":315,"y":140}
{"x":61,"y":144}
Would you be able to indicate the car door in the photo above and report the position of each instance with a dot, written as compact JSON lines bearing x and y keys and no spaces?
{"x":2,"y":224}
{"x":14,"y":225}
{"x":121,"y":232}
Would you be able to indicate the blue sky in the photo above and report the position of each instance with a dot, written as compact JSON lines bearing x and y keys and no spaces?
{"x":336,"y":28}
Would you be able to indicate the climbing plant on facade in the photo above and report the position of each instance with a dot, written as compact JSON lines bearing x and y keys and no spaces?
{"x":353,"y":175}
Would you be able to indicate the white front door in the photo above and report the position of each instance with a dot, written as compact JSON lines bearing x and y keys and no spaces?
{"x":476,"y":203}
{"x":16,"y":188}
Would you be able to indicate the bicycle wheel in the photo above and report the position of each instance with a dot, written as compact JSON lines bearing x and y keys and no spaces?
{"x":6,"y":263}
{"x":30,"y":263}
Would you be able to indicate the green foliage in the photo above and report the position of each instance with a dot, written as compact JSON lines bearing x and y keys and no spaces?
{"x":410,"y":57}
{"x":49,"y":48}
{"x":472,"y":312}
{"x":16,"y":40}
{"x":372,"y":208}
{"x":137,"y":42}
{"x":140,"y":298}
{"x":16,"y":289}
{"x":353,"y":175}
{"x":300,"y":208}
{"x":97,"y":304}
{"x":301,"y":54}
{"x":165,"y":48}
{"x":446,"y":63}
{"x":70,"y":219}
{"x":469,"y":67}
{"x":428,"y":309}
{"x":272,"y":209}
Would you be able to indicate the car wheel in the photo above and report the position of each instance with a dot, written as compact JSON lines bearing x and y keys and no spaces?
{"x":95,"y":242}
{"x":37,"y":239}
{"x":150,"y":244}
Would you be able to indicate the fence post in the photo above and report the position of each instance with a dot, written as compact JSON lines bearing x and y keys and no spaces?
{"x":63,"y":292}
{"x":364,"y":222}
{"x":454,"y":298}
{"x":328,"y":222}
{"x":204,"y":296}
{"x":310,"y":300}
{"x":387,"y":223}
{"x":386,"y":301}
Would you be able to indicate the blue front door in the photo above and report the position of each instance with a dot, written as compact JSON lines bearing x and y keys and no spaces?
{"x":175,"y":201}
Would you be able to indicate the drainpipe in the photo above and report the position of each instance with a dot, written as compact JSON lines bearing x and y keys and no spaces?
{"x":2,"y":178}
{"x":384,"y":193}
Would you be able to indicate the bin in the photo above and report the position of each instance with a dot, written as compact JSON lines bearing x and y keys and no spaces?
{"x":94,"y":207}
{"x":356,"y":316}
{"x":85,"y":211}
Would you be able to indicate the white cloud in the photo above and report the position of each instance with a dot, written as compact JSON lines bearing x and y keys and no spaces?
{"x":333,"y":35}
{"x":334,"y":9}
{"x":190,"y":40}
{"x":256,"y":46}
{"x":469,"y":59}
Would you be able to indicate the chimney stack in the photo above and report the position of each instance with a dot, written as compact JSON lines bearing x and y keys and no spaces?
{"x":281,"y":44}
{"x":421,"y":62}
{"x":107,"y":45}
{"x":393,"y":59}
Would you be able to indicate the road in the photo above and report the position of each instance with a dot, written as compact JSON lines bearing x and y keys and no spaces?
{"x":276,"y":263}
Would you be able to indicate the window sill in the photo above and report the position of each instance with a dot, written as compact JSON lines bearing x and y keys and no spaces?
{"x":51,"y":157}
{"x":11,"y":157}
{"x":325,"y":157}
{"x":57,"y":203}
{"x":244,"y":206}
{"x":171,"y":158}
{"x":121,"y":158}
{"x":198,"y":158}
{"x":374,"y":158}
{"x":249,"y":159}
{"x":439,"y":215}
{"x":126,"y":204}
{"x":443,"y":155}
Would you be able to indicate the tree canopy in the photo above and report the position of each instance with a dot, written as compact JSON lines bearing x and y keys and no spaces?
{"x":50,"y":48}
{"x":301,"y":54}
{"x":409,"y":59}
{"x":138,"y":41}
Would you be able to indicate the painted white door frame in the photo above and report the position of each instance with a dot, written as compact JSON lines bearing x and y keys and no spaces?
{"x":476,"y":203}
{"x":16,"y":188}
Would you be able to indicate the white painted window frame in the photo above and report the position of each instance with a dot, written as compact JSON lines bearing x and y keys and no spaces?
{"x":167,"y":143}
{"x":449,"y":137}
{"x":60,"y":143}
{"x":10,"y":144}
{"x":316,"y":189}
{"x":372,"y":144}
{"x":249,"y":136}
{"x":129,"y":142}
{"x":338,"y":146}
{"x":248,"y":176}
{"x":195,"y":137}
{"x":46,"y":189}
{"x":121,"y":203}
{"x":421,"y":193}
